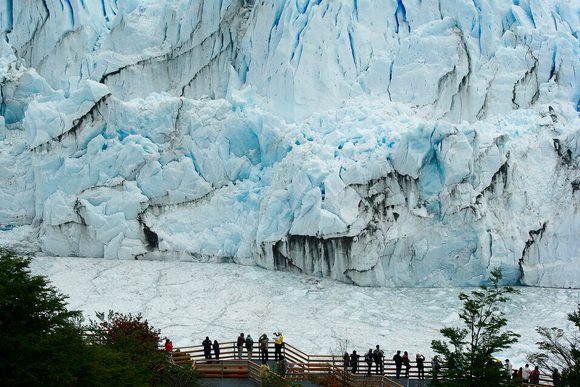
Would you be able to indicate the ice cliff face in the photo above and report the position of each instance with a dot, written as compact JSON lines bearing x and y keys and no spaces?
{"x":383,"y":143}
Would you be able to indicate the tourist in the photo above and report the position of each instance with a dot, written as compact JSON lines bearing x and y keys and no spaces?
{"x":535,"y":375}
{"x":263,"y":341}
{"x":526,"y":373}
{"x":346,"y":361}
{"x":206,"y":348}
{"x":378,"y":356}
{"x":398,"y":364}
{"x":169,"y":349}
{"x":249,"y":346}
{"x":508,"y":366}
{"x":407,"y":364}
{"x":435,"y":367}
{"x":216,"y":349}
{"x":369,"y":360}
{"x":556,"y":377}
{"x":420,"y":359}
{"x":278,"y":344}
{"x":168,"y":345}
{"x":240,"y":345}
{"x":354,"y":361}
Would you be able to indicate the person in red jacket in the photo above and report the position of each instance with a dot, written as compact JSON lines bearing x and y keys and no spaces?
{"x":535,"y":376}
{"x":169,"y":349}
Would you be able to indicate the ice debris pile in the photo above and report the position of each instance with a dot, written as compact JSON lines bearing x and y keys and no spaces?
{"x":381,"y":143}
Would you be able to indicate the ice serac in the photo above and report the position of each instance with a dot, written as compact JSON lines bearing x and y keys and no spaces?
{"x":380,"y":143}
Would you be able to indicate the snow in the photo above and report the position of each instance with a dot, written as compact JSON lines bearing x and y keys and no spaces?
{"x":189,"y":301}
{"x":402,"y":143}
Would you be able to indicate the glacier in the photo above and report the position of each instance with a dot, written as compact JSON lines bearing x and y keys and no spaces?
{"x":379,"y":143}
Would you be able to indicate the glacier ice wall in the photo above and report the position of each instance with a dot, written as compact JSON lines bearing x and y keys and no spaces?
{"x":381,"y":143}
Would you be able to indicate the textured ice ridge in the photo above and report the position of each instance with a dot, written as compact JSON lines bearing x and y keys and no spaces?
{"x":392,"y":143}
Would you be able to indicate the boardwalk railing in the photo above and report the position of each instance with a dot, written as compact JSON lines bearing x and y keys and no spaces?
{"x":329,"y":370}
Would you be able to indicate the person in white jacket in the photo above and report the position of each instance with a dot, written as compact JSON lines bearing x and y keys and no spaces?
{"x":526,"y":373}
{"x":508,"y":366}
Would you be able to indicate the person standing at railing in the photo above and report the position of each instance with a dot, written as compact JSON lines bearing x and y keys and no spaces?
{"x":206,"y":347}
{"x":369,"y":360}
{"x":240,"y":345}
{"x":508,"y":366}
{"x":346,"y":361}
{"x":216,"y":349}
{"x":168,"y":346}
{"x":435,"y":367}
{"x":526,"y":373}
{"x":249,"y":346}
{"x":264,"y":340}
{"x":398,"y":364}
{"x":407,"y":364}
{"x":169,"y":349}
{"x":556,"y":377}
{"x":379,"y":356}
{"x":535,"y":375}
{"x":278,"y":344}
{"x":354,"y":358}
{"x":420,"y":359}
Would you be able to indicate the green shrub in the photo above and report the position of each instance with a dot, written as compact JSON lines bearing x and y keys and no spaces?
{"x":43,"y":344}
{"x":40,"y":340}
{"x":467,"y":353}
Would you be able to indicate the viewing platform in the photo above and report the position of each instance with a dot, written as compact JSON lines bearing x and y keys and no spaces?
{"x":301,"y":368}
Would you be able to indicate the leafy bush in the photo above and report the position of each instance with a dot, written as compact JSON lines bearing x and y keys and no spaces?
{"x":137,"y":342}
{"x":43,"y":344}
{"x":560,"y":351}
{"x":40,"y":341}
{"x":468,"y":355}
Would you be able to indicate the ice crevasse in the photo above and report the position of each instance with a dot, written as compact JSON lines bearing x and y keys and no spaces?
{"x":380,"y":143}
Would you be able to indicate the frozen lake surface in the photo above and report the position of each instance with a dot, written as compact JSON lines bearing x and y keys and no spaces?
{"x":189,"y":301}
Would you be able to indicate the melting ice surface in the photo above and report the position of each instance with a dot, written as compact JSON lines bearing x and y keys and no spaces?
{"x":189,"y":301}
{"x":379,"y":143}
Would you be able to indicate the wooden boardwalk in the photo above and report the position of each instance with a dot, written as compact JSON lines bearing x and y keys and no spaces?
{"x":325,"y":370}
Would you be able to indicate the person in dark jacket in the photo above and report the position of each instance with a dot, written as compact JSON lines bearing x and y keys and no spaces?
{"x":378,"y":356}
{"x":556,"y":378}
{"x":398,"y":364}
{"x":346,"y":361}
{"x":420,"y":359}
{"x":436,"y":367}
{"x":407,"y":364}
{"x":207,"y":347}
{"x":216,"y":349}
{"x":354,"y":361}
{"x":369,"y":360}
{"x":264,"y":340}
{"x":249,"y":346}
{"x":240,"y":345}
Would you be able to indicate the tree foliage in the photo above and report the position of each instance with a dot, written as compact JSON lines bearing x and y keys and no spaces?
{"x":467,"y":353}
{"x":43,"y":344}
{"x":560,"y":350}
{"x":40,"y":340}
{"x":131,"y":337}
